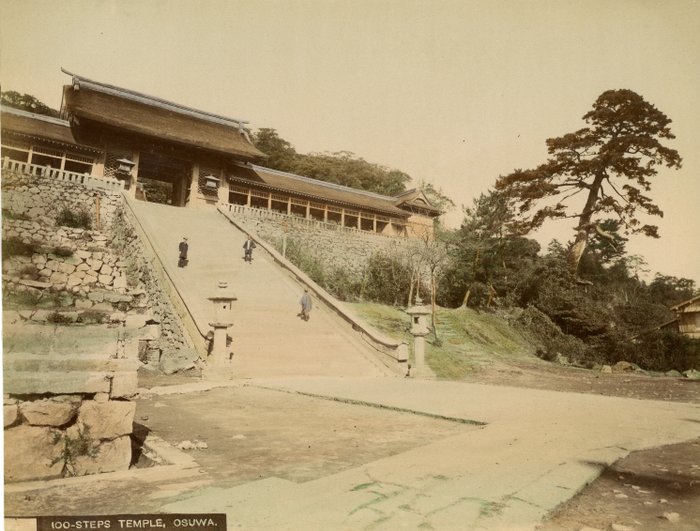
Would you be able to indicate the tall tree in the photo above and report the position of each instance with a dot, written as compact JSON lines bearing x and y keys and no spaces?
{"x":281,"y":154}
{"x":611,"y":162}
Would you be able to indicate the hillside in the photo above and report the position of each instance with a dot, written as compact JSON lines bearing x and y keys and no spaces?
{"x":469,"y":340}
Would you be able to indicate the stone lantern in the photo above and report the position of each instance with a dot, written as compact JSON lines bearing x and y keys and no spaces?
{"x":223,"y":320}
{"x":419,"y":329}
{"x":123,"y":172}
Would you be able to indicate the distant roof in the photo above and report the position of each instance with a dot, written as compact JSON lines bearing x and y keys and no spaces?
{"x":148,"y":115}
{"x":32,"y":125}
{"x":683,"y":304}
{"x":314,"y":189}
{"x":417,"y":199}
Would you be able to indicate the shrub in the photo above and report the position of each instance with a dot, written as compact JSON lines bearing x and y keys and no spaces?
{"x":387,"y":279}
{"x":93,"y":317}
{"x":552,"y":340}
{"x":663,"y":350}
{"x":9,"y":214}
{"x":309,"y":264}
{"x":29,"y":271}
{"x":77,"y":220}
{"x":58,"y":318}
{"x":16,"y":247}
{"x":62,"y":251}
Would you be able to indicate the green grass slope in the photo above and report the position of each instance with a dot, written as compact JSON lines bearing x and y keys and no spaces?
{"x":468,"y":340}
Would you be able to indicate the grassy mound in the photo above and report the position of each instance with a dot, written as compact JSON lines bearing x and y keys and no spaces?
{"x":466,"y":340}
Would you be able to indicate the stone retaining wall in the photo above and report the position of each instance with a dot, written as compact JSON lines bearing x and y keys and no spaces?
{"x":42,"y":199}
{"x":83,"y":428}
{"x":349,"y":251}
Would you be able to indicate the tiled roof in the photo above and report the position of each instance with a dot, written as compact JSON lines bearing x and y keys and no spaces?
{"x":147,"y":115}
{"x":319,"y":190}
{"x":28,"y":124}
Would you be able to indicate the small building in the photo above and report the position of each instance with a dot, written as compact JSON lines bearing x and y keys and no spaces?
{"x":688,"y":317}
{"x":201,"y":159}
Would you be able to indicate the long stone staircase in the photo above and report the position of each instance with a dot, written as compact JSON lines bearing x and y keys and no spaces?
{"x":269,"y":340}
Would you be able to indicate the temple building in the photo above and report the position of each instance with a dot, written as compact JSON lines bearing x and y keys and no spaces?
{"x":201,"y":159}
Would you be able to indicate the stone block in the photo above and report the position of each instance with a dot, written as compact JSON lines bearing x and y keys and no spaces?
{"x":111,"y":296}
{"x":39,"y":260}
{"x":106,"y":269}
{"x":124,"y":385}
{"x":49,"y":412}
{"x":84,"y":255}
{"x":35,"y":284}
{"x":45,"y":273}
{"x":32,"y":452}
{"x":82,"y":267}
{"x":95,"y":265}
{"x":74,"y":280}
{"x":66,"y":268}
{"x":97,"y":296}
{"x":120,"y":282}
{"x":89,"y":279}
{"x":109,"y":420}
{"x":107,"y":456}
{"x":58,"y":278}
{"x":10,"y":414}
{"x":103,"y":307}
{"x":83,"y":304}
{"x":105,"y":279}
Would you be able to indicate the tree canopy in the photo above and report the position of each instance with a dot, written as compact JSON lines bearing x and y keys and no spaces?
{"x":26,"y":102}
{"x":610,"y":162}
{"x":342,"y":167}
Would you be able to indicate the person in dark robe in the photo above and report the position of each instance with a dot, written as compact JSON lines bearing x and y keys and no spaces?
{"x":305,"y":305}
{"x":183,"y":248}
{"x":248,"y":247}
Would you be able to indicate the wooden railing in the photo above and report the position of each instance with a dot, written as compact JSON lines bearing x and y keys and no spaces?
{"x":89,"y":181}
{"x":261,"y":213}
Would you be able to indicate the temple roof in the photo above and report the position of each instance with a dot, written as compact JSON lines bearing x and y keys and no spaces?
{"x":319,"y":190}
{"x":415,"y":198}
{"x":146,"y":115}
{"x":32,"y":125}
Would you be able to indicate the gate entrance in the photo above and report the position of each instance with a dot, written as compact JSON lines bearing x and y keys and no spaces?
{"x":163,"y":179}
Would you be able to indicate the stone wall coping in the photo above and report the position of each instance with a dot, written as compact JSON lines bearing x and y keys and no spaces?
{"x":399,"y":349}
{"x":53,"y":362}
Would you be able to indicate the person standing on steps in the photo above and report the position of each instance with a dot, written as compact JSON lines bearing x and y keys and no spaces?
{"x":183,"y":248}
{"x":248,"y":247}
{"x":305,"y":305}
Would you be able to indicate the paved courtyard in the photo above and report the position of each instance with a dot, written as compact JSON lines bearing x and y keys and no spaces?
{"x":371,"y":453}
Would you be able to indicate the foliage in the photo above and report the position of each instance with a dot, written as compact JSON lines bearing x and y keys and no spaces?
{"x":670,"y":290}
{"x":62,"y":251}
{"x":308,"y":263}
{"x":26,"y":102}
{"x":387,"y":279}
{"x":487,"y":260}
{"x":436,"y":196}
{"x":79,"y":219}
{"x":10,"y":214}
{"x":58,"y":318}
{"x":157,"y":191}
{"x":341,"y":167}
{"x":663,"y":350}
{"x":79,"y":445}
{"x":281,"y":155}
{"x":611,"y":161}
{"x":15,"y":246}
{"x":346,"y":169}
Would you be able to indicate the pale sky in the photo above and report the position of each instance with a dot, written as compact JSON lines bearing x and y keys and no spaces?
{"x":452,"y":92}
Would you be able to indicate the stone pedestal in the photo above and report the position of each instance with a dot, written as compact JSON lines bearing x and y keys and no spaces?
{"x":419,"y":329}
